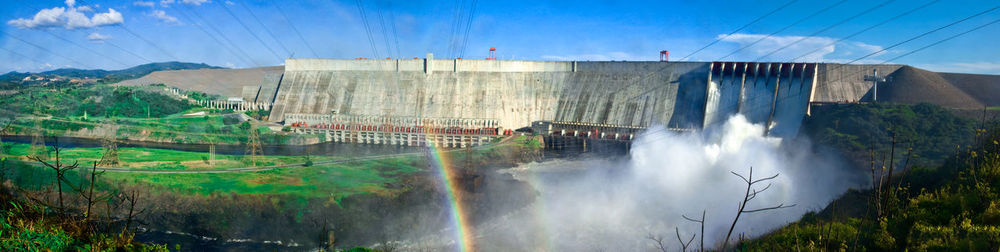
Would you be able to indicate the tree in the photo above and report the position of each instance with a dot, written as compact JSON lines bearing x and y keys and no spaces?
{"x":60,"y":170}
{"x":750,"y":194}
{"x":701,"y":244}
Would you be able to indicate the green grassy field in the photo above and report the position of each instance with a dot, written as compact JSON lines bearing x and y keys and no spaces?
{"x":162,"y":159}
{"x":337,"y":180}
{"x":333,"y":181}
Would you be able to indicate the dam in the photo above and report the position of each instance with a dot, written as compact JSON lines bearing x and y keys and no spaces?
{"x":608,"y":100}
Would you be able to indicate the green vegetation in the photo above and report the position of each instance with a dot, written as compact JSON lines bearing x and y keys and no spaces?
{"x":25,"y":226}
{"x":163,"y":159}
{"x":954,"y":207}
{"x":101,"y":76}
{"x":96,"y":101}
{"x":932,"y":131}
{"x":319,"y":181}
{"x":31,"y":222}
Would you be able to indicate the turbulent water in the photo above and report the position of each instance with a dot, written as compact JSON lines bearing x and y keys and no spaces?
{"x":599,"y":204}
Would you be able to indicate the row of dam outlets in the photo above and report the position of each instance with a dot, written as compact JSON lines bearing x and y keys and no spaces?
{"x":622,"y":97}
{"x":405,"y":131}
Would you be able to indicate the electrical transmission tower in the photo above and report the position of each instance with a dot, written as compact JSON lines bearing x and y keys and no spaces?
{"x":4,"y":131}
{"x":254,"y":148}
{"x":38,"y":141}
{"x":211,"y":154}
{"x":110,"y":157}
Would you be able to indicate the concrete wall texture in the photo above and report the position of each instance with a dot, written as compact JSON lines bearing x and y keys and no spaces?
{"x":517,"y":93}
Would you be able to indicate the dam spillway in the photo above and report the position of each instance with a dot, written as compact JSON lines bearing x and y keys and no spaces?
{"x":512,"y":94}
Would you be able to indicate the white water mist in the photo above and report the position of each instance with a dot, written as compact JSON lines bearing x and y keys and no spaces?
{"x":613,"y":205}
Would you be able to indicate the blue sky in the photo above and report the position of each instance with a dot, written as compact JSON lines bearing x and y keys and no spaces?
{"x":118,"y":34}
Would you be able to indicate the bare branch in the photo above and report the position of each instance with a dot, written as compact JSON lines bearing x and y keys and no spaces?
{"x":658,"y":240}
{"x":741,"y":176}
{"x":684,"y":245}
{"x":767,"y":178}
{"x":779,"y":206}
{"x":693,"y":220}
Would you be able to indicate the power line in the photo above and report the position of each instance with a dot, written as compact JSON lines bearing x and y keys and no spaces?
{"x":943,"y":40}
{"x":292,"y":25}
{"x":883,"y":4}
{"x":86,"y":48}
{"x":785,"y":28}
{"x":224,"y":7}
{"x":127,"y":51}
{"x":866,"y":29}
{"x":368,"y":31}
{"x":75,"y":43}
{"x":265,"y":27}
{"x":924,"y":34}
{"x":456,"y":23}
{"x":242,"y":55}
{"x":740,"y":29}
{"x":23,"y":56}
{"x":468,"y":26}
{"x":385,"y":33}
{"x":395,"y":38}
{"x":46,"y":50}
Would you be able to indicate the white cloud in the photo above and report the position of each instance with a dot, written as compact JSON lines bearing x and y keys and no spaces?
{"x":166,"y":3}
{"x":84,"y":8}
{"x":69,"y":17}
{"x":162,"y":16}
{"x":964,"y":67}
{"x":194,"y":2}
{"x":144,"y":3}
{"x":97,"y":37}
{"x":781,"y":48}
{"x":595,"y":57}
{"x":230,"y":3}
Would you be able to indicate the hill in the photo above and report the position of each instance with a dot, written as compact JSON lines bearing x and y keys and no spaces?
{"x":107,"y":75}
{"x":260,"y":82}
{"x":911,"y":85}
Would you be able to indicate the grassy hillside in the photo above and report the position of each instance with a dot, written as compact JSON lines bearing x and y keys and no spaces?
{"x":933,"y":132}
{"x":952,"y":206}
{"x":105,"y":76}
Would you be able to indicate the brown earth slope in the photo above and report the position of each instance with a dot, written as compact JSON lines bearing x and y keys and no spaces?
{"x":225,"y":82}
{"x":912,"y":85}
{"x":985,"y":88}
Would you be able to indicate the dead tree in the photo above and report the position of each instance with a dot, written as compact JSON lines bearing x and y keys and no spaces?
{"x":3,"y":176}
{"x":701,"y":244}
{"x":684,"y":245}
{"x":132,"y":198}
{"x":750,"y":194}
{"x":658,"y":240}
{"x":60,"y":170}
{"x":90,"y":193}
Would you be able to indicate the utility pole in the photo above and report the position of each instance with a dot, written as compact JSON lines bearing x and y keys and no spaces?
{"x":110,"y":151}
{"x":875,"y":79}
{"x":211,"y":154}
{"x":38,"y":141}
{"x":254,"y":148}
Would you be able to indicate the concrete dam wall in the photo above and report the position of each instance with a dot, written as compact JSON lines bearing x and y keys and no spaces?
{"x":514,"y":94}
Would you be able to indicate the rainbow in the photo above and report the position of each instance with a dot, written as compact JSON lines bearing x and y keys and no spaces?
{"x":459,"y":216}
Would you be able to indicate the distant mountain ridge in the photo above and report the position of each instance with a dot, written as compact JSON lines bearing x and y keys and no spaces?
{"x":124,"y":74}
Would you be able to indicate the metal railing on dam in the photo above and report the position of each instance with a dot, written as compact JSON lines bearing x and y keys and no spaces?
{"x":392,"y":130}
{"x":514,"y":94}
